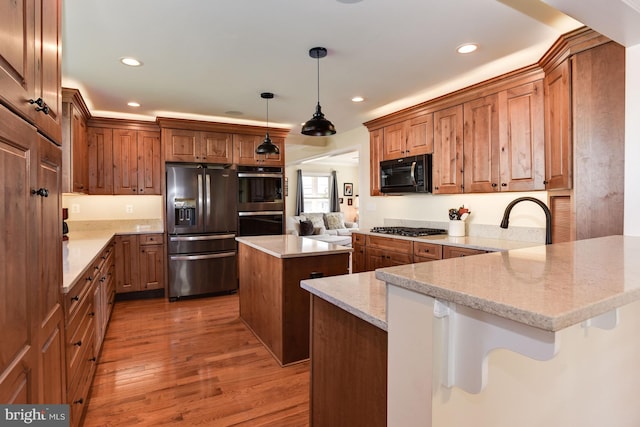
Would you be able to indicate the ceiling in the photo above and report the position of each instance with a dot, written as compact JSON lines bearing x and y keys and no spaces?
{"x":210,"y":60}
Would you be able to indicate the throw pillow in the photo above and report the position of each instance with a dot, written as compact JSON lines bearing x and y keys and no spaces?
{"x":315,"y":217}
{"x":306,"y":228}
{"x":334,"y":220}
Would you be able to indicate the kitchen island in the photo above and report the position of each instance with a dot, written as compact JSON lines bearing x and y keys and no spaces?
{"x":272,"y":304}
{"x":537,"y":336}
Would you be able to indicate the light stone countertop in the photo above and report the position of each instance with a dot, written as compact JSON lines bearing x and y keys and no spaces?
{"x":548,"y":287}
{"x":83,"y":246}
{"x":360,"y":294}
{"x":290,"y":246}
{"x":472,"y":242}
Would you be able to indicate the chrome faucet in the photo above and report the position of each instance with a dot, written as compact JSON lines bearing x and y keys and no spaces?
{"x":547,"y":213}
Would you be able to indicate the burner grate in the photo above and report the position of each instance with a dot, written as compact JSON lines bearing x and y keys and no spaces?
{"x":408,"y":231}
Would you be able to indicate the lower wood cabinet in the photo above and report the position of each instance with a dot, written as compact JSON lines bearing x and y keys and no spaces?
{"x":348,"y":369}
{"x":373,"y":252}
{"x":87,"y":307}
{"x":140,"y":261}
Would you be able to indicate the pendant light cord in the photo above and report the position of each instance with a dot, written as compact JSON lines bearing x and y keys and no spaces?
{"x":318,"y":62}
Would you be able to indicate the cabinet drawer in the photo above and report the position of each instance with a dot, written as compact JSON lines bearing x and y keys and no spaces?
{"x":392,"y":244}
{"x":151,"y":239}
{"x":380,"y":258}
{"x":430,"y":251}
{"x":79,"y":333}
{"x":78,"y":387}
{"x":358,"y":239}
{"x":77,"y":294}
{"x":455,"y":252}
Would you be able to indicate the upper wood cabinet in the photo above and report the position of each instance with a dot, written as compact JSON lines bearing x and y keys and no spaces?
{"x":30,"y":63}
{"x":245,"y":148}
{"x":557,"y":113}
{"x":504,"y":141}
{"x":75,"y":171}
{"x":137,"y":162}
{"x":375,"y":143}
{"x":448,"y":150}
{"x":100,"y":160}
{"x":125,"y":157}
{"x":409,"y":138}
{"x":183,"y":145}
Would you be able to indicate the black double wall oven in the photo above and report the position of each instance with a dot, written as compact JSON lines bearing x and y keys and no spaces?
{"x":260,"y":200}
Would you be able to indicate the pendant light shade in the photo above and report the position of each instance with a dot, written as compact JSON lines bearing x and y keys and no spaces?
{"x":267,"y":147}
{"x":318,"y":125}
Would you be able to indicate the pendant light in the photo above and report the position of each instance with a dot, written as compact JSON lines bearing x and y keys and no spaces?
{"x":318,"y":125}
{"x":267,"y":147}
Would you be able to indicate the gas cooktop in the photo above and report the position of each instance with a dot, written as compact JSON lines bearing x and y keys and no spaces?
{"x":408,"y":231}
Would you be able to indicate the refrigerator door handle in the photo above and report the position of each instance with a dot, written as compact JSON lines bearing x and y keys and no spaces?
{"x":207,"y":198}
{"x":201,"y":257}
{"x":200,"y":200}
{"x":196,"y":238}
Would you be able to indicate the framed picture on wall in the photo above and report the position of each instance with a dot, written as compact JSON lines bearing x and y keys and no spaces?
{"x":340,"y":200}
{"x":350,"y":201}
{"x":348,"y":189}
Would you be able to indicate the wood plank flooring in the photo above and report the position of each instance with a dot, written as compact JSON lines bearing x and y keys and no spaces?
{"x":192,"y":362}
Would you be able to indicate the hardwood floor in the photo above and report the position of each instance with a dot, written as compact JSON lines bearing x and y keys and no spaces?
{"x":192,"y":362}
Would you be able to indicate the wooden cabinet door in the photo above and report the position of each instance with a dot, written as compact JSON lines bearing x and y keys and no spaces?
{"x":149,"y":165}
{"x":358,"y":256}
{"x":17,"y":77}
{"x":50,"y":317}
{"x":48,"y":66}
{"x":419,"y":135}
{"x":181,"y":145}
{"x":79,"y":153}
{"x":481,"y":145}
{"x":522,"y":138}
{"x":558,"y":127}
{"x":447,"y":150}
{"x":216,"y":147}
{"x":18,"y":176}
{"x":100,"y":158}
{"x":394,"y":141}
{"x":245,"y":149}
{"x":125,"y":161}
{"x":375,"y":150}
{"x":127,"y":264}
{"x":151,"y":267}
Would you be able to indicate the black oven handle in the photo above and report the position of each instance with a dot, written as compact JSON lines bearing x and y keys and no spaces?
{"x":413,"y":173}
{"x":259,"y":175}
{"x":259,"y":213}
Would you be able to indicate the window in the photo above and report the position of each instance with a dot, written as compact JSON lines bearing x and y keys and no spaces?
{"x":316,"y":192}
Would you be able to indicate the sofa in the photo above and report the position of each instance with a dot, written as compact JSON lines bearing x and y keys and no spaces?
{"x":328,"y":227}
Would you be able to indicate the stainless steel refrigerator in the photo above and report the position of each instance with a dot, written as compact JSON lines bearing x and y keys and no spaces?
{"x":201,"y":229}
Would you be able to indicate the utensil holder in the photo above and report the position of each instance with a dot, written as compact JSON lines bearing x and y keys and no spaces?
{"x":457,"y":228}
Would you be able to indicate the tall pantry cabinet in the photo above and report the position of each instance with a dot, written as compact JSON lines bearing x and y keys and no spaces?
{"x":32,"y":355}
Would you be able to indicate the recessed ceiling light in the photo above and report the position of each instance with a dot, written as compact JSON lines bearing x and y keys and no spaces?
{"x":467,"y":48}
{"x":132,"y":62}
{"x":133,"y":104}
{"x":357,"y":99}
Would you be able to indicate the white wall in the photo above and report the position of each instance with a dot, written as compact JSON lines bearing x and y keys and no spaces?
{"x":90,"y":208}
{"x":632,"y":143}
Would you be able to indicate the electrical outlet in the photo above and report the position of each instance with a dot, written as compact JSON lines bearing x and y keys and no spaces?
{"x":128,"y":208}
{"x":75,"y":208}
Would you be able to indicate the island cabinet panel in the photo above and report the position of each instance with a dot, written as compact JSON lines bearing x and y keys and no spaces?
{"x":448,"y":150}
{"x":348,"y":369}
{"x":272,"y":303}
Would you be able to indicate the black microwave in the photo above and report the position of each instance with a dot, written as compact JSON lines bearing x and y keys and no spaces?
{"x":406,"y":175}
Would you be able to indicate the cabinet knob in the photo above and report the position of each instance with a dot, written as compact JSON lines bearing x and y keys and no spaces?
{"x":93,"y":359}
{"x":504,"y":184}
{"x":79,"y":401}
{"x":494,"y":185}
{"x":545,"y":182}
{"x":42,"y":192}
{"x":91,"y":314}
{"x":78,"y":343}
{"x":75,"y":298}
